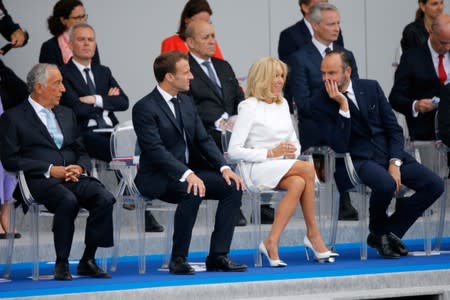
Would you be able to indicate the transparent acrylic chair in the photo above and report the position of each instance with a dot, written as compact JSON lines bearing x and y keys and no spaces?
{"x":37,"y":210}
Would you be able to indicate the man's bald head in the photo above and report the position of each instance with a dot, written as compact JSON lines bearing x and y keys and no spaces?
{"x":440,"y":34}
{"x":201,"y":39}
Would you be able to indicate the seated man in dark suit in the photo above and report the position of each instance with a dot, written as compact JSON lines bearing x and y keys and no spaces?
{"x":305,"y":77}
{"x":180,"y":163}
{"x":41,"y":138}
{"x":359,"y":120}
{"x":295,"y":37}
{"x":94,"y":99}
{"x":217,"y":95}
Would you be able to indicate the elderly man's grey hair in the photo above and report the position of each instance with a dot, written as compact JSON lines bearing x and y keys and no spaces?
{"x":315,"y":14}
{"x":39,"y":73}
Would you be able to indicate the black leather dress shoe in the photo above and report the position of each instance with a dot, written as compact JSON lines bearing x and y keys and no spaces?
{"x":241,"y":219}
{"x":223,"y":263}
{"x":179,"y":266}
{"x":89,"y":268}
{"x":346,"y":210}
{"x":151,"y":225}
{"x":62,"y":271}
{"x":383,"y":245}
{"x":397,"y":244}
{"x":267,"y":214}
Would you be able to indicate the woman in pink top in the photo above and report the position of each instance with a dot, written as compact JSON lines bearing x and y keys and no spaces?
{"x":193,"y":10}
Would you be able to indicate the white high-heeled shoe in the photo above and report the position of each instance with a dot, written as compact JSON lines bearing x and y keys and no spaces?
{"x":275,"y":263}
{"x":319,"y":256}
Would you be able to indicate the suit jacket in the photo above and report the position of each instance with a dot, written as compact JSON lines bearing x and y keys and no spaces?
{"x":161,"y":142}
{"x":443,"y":116}
{"x":51,"y":53}
{"x":12,"y":89}
{"x":371,"y":134}
{"x":210,"y":104}
{"x":25,"y":144}
{"x":76,"y":87}
{"x":304,"y":78}
{"x":295,"y":37}
{"x":414,"y":34}
{"x":416,"y":78}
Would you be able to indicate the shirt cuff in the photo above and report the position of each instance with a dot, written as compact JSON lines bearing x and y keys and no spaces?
{"x":98,"y":101}
{"x":185,"y":175}
{"x":414,"y":112}
{"x":345,"y":114}
{"x":47,"y":174}
{"x":223,"y":168}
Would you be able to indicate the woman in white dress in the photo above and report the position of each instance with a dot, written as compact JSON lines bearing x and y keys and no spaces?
{"x":265,"y":140}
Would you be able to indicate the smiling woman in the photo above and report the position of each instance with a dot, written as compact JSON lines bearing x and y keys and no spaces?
{"x":56,"y":50}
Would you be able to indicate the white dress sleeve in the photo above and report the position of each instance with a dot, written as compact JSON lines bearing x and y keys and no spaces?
{"x":241,"y":131}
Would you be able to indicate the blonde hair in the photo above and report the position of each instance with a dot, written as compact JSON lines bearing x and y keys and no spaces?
{"x":260,"y":77}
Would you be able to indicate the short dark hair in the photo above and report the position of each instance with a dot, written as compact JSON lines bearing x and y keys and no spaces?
{"x":192,"y":8}
{"x":166,"y":63}
{"x":344,"y":58}
{"x":305,"y":2}
{"x":62,"y":9}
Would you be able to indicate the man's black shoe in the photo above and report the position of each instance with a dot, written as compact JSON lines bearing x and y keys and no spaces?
{"x":223,"y":263}
{"x":382,"y":245}
{"x":179,"y":266}
{"x":241,"y":221}
{"x":151,"y":225}
{"x":89,"y":268}
{"x":346,"y":210}
{"x":267,"y":214}
{"x":397,"y":244}
{"x":62,"y":271}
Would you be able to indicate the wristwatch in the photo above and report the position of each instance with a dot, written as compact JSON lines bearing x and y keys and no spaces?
{"x":396,"y":162}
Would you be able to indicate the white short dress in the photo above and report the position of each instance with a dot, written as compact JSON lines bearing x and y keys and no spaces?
{"x":259,"y":127}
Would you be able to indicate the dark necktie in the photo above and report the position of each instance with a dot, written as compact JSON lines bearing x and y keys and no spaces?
{"x":441,"y":70}
{"x":327,"y":49}
{"x":90,"y":84}
{"x":176,"y":105}
{"x":213,"y":77}
{"x":352,"y":106}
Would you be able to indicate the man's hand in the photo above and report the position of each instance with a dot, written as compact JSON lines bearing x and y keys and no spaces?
{"x":69,"y":173}
{"x":114,"y":91}
{"x":333,"y":92}
{"x":424,"y":105}
{"x":195,"y":185}
{"x":18,"y":38}
{"x":394,"y":171}
{"x":88,"y":99}
{"x":229,"y":175}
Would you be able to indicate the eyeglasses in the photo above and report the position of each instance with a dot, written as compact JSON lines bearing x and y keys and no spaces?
{"x":79,"y":18}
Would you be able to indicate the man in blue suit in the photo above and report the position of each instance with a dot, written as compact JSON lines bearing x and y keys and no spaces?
{"x":180,"y":163}
{"x":305,"y":77}
{"x":295,"y":37}
{"x":418,"y":79}
{"x":359,"y":120}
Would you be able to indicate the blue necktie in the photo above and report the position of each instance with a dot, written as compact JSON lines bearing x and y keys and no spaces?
{"x":90,"y":83}
{"x":53,"y":128}
{"x":213,"y":77}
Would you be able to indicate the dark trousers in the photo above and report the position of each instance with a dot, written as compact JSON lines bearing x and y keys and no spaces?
{"x":65,"y":200}
{"x":187,"y":209}
{"x":426,"y":184}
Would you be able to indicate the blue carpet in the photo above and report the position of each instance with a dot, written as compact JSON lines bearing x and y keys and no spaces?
{"x":127,"y":277}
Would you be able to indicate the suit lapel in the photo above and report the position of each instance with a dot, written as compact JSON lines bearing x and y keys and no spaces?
{"x":33,"y":118}
{"x":198,"y":71}
{"x":362,"y":102}
{"x":61,"y":118}
{"x":78,"y":77}
{"x":429,"y":62}
{"x":166,"y":110}
{"x":315,"y":56}
{"x":304,"y":29}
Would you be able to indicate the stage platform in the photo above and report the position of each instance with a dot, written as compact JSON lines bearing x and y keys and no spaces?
{"x":347,"y":278}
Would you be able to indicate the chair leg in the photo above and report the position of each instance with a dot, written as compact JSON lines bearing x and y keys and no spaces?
{"x":140,"y":225}
{"x":10,"y":236}
{"x":427,"y":231}
{"x":256,"y":217}
{"x":34,"y":212}
{"x":442,"y":207}
{"x":363,"y":226}
{"x":169,"y":215}
{"x":334,"y":216}
{"x":117,"y":225}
